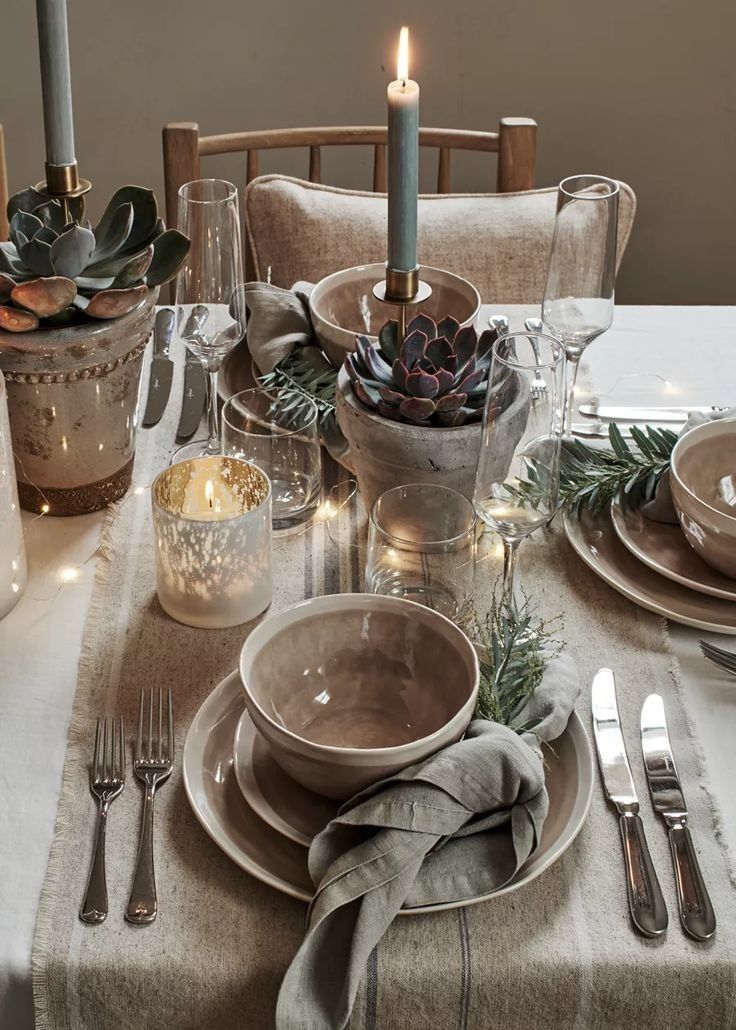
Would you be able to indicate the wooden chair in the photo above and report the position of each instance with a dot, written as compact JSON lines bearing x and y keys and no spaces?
{"x":4,"y":195}
{"x":515,"y":143}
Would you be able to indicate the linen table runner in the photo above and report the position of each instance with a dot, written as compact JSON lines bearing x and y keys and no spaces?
{"x":559,"y":953}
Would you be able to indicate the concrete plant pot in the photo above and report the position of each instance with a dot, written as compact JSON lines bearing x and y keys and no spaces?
{"x":383,"y":454}
{"x":72,"y":400}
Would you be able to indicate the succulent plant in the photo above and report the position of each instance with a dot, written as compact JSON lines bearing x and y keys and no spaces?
{"x":58,"y":270}
{"x":438,"y":375}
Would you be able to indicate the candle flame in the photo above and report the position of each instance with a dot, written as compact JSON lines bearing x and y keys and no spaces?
{"x":402,"y":64}
{"x":209,"y":492}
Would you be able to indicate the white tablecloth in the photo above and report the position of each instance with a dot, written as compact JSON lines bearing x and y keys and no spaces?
{"x":652,"y":354}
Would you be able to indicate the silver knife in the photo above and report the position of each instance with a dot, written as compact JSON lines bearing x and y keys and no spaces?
{"x":614,"y":412}
{"x":599,"y":430}
{"x":195,"y":378}
{"x":162,"y":368}
{"x":648,"y":910}
{"x":696,"y":910}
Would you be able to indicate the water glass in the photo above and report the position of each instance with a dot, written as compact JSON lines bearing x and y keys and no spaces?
{"x":278,"y":432}
{"x":422,"y":547}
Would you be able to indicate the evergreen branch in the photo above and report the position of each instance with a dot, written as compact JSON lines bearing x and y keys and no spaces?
{"x":306,"y":373}
{"x":515,"y":648}
{"x":592,"y":478}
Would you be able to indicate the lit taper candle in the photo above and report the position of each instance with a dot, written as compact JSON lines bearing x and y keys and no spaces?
{"x":403,"y":163}
{"x":56,"y":86}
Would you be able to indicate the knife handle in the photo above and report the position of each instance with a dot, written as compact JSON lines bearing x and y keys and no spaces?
{"x":648,"y":909}
{"x":696,"y":910}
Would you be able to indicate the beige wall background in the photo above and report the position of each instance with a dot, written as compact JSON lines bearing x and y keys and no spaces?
{"x":641,"y":90}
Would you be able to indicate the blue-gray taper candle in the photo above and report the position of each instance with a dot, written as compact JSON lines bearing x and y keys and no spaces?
{"x":53,"y":45}
{"x":403,"y":173}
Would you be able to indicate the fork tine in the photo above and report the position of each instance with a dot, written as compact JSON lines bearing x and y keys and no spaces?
{"x":120,"y":768}
{"x":149,"y":751}
{"x":139,"y":738}
{"x":170,"y":734}
{"x":720,"y":658}
{"x":96,"y":767}
{"x":160,"y":724}
{"x":105,"y":773}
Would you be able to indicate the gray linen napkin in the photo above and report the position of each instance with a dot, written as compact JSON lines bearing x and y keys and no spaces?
{"x":661,"y":508}
{"x":278,"y":321}
{"x":458,"y":825}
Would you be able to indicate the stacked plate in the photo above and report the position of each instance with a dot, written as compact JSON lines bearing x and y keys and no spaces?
{"x":653,"y":565}
{"x":264,"y":821}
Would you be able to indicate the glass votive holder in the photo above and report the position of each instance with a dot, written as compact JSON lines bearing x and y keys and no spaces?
{"x":212,"y":529}
{"x":278,"y":432}
{"x":422,"y":546}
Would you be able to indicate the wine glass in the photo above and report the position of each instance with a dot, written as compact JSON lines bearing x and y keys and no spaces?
{"x":578,"y":296}
{"x":517,"y":478}
{"x":210,"y":309}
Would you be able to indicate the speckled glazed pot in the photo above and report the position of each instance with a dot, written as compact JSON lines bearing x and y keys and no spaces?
{"x":384,"y":454}
{"x":72,"y":399}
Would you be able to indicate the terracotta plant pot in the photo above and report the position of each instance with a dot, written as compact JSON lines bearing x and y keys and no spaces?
{"x":383,"y":453}
{"x":72,"y":399}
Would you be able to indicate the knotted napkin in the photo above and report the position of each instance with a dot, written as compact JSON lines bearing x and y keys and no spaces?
{"x":661,"y":508}
{"x":278,"y":321}
{"x":453,"y":827}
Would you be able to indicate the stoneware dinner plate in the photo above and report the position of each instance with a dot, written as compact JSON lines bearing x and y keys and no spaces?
{"x":275,"y":797}
{"x":595,"y":540}
{"x":212,"y":789}
{"x":663,"y":547}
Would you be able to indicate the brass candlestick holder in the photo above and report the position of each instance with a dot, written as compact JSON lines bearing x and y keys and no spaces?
{"x":63,"y":183}
{"x":402,"y":289}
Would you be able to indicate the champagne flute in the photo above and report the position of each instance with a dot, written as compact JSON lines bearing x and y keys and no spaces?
{"x":210,"y":309}
{"x":578,"y":297}
{"x":517,"y":478}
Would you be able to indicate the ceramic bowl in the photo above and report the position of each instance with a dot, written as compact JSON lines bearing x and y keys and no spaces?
{"x":351,"y":688}
{"x":342,"y":304}
{"x":703,"y":484}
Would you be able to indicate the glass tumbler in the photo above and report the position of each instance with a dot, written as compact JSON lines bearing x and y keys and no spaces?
{"x":422,"y":547}
{"x":278,"y":432}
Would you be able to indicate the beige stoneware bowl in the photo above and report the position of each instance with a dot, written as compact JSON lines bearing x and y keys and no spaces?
{"x":351,"y":688}
{"x":703,"y":483}
{"x":342,"y":304}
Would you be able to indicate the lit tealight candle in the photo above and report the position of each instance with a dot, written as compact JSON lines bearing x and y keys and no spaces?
{"x":212,"y":525}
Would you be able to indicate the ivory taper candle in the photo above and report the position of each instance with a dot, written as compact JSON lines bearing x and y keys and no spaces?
{"x":403,"y":163}
{"x":56,"y":85}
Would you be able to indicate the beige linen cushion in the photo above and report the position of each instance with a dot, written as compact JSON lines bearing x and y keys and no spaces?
{"x":499,"y":241}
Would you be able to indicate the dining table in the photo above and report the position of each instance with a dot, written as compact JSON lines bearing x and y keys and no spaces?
{"x":678,"y":355}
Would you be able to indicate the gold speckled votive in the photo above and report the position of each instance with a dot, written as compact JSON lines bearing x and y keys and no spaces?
{"x":212,"y":528}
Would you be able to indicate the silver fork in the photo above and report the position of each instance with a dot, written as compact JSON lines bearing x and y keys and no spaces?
{"x":152,"y":764}
{"x":107,"y":779}
{"x":539,"y":387}
{"x":725,"y":660}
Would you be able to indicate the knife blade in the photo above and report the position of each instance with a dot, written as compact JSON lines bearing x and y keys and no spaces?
{"x":599,"y":430}
{"x":696,"y":910}
{"x":646,"y":904}
{"x":195,"y":378}
{"x":162,"y":368}
{"x":614,"y":412}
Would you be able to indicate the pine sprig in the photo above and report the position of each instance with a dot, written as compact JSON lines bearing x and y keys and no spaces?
{"x":591,"y":478}
{"x":306,"y":372}
{"x":515,"y":648}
